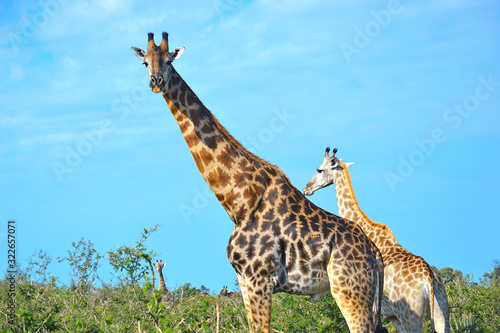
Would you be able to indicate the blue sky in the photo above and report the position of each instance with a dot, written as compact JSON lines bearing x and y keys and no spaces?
{"x":408,"y":90}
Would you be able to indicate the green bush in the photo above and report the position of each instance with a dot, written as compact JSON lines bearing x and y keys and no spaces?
{"x":134,"y":305}
{"x":474,"y":307}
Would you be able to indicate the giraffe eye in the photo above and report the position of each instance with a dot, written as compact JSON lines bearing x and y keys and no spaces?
{"x":145,"y":64}
{"x":319,"y":170}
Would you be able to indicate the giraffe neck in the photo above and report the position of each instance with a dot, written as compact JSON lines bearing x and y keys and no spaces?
{"x":234,"y":174}
{"x":348,"y":208}
{"x":161,"y":285}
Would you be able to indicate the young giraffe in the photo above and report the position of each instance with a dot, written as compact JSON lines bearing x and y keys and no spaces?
{"x":168,"y":297}
{"x":159,"y":268}
{"x":226,"y":293}
{"x":281,"y":242}
{"x":411,"y":286}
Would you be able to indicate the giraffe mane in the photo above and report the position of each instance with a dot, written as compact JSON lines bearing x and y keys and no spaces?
{"x":238,"y":144}
{"x":230,"y":138}
{"x":374,"y":224}
{"x":248,"y":153}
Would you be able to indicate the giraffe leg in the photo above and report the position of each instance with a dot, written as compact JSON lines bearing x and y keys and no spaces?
{"x":354,"y":293}
{"x":441,"y":310}
{"x":397,"y":324}
{"x":440,"y":323}
{"x":257,"y":297}
{"x":244,"y":294}
{"x":410,"y":317}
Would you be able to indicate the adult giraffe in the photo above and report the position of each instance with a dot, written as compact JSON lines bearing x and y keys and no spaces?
{"x":411,"y":287}
{"x":281,"y":242}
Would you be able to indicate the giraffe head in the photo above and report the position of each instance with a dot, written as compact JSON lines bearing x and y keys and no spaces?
{"x":158,"y":61}
{"x":326,"y":172}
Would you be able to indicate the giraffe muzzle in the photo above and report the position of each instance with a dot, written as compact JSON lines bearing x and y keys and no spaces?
{"x":307,"y":191}
{"x":156,"y":83}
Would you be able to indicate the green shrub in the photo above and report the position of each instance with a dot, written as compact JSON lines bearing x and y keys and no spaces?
{"x":134,"y":305}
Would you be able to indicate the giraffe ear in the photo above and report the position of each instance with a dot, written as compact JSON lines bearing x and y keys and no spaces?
{"x":334,"y":163}
{"x":139,"y":53}
{"x":177,"y":53}
{"x":348,"y":164}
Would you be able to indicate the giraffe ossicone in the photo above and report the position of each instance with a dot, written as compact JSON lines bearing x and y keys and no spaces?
{"x":281,"y":242}
{"x":411,"y":287}
{"x":158,"y":60}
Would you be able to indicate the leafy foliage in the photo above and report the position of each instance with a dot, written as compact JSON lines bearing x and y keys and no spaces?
{"x":84,"y":261}
{"x":448,"y":274}
{"x":37,"y":268}
{"x":298,"y":314}
{"x":494,"y":276}
{"x":134,"y":305}
{"x":474,"y":307}
{"x":186,"y":291}
{"x":134,"y":261}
